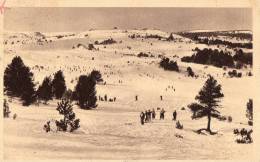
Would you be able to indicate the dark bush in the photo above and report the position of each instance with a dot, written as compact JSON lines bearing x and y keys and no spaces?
{"x":250,"y":122}
{"x":107,"y":41}
{"x":190,"y":72}
{"x":141,"y":54}
{"x":244,"y":135}
{"x":234,"y":73}
{"x":169,"y":65}
{"x":179,"y":125}
{"x":47,"y":127}
{"x":91,"y":47}
{"x":230,"y":119}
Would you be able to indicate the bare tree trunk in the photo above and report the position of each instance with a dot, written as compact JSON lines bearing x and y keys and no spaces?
{"x":209,"y":120}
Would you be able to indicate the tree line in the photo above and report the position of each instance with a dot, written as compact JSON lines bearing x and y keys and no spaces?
{"x":19,"y":82}
{"x":196,"y":37}
{"x":217,"y":58}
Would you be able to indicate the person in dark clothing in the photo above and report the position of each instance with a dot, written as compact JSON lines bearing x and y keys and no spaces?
{"x":149,"y":115}
{"x":153,"y":114}
{"x":162,"y":114}
{"x":174,"y":115}
{"x":146,"y":116}
{"x":142,"y":116}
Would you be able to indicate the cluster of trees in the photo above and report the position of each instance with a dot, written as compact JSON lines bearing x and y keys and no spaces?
{"x":193,"y":35}
{"x":210,"y":57}
{"x":243,"y":58}
{"x":196,"y":37}
{"x":168,"y":64}
{"x":226,"y":43}
{"x":18,"y":82}
{"x":105,"y":42}
{"x":89,"y":47}
{"x":153,"y":36}
{"x":133,"y":36}
{"x":142,"y":54}
{"x":234,"y":73}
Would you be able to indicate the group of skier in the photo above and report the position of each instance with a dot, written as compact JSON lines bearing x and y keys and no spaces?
{"x":149,"y":115}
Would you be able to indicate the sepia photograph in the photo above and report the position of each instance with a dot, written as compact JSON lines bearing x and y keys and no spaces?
{"x":133,"y":83}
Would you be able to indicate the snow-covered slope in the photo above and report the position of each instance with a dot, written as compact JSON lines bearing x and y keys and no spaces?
{"x":113,"y":130}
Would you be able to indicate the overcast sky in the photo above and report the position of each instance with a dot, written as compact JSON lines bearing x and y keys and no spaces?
{"x":167,"y":19}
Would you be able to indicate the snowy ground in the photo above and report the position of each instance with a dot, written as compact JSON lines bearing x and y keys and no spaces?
{"x":113,"y":130}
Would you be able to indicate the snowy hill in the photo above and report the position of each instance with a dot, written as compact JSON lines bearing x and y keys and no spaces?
{"x":114,"y":127}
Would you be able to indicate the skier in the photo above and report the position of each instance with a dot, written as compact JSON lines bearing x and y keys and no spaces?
{"x":146,"y":116}
{"x":153,"y":114}
{"x":174,"y":114}
{"x":142,"y":118}
{"x":162,"y":114}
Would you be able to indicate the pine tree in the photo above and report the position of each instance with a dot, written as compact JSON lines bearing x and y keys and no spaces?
{"x":209,"y":98}
{"x":18,"y":81}
{"x":85,"y":92}
{"x":58,"y":83}
{"x":44,"y":91}
{"x":28,"y":95}
{"x":14,"y":76}
{"x":170,"y":38}
{"x":65,"y":108}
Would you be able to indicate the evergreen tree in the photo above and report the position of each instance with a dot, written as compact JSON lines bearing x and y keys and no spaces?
{"x":28,"y":95}
{"x":65,"y":108}
{"x":208,"y":97}
{"x":15,"y":76}
{"x":18,"y":81}
{"x":85,"y":92}
{"x":44,"y":91}
{"x":170,"y":38}
{"x":58,"y":84}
